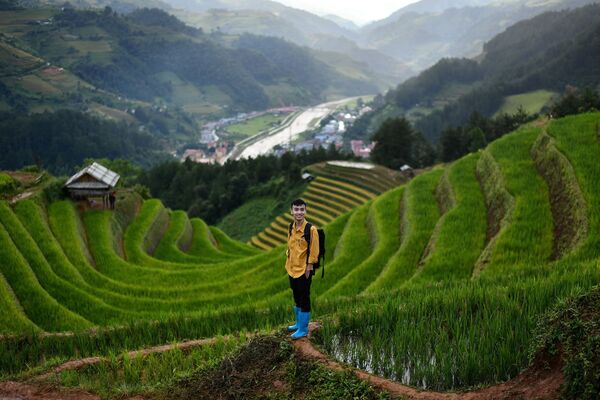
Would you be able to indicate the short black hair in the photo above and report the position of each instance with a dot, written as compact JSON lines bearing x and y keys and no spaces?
{"x":298,"y":202}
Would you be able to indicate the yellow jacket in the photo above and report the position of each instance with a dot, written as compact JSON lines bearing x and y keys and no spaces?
{"x":297,"y":247}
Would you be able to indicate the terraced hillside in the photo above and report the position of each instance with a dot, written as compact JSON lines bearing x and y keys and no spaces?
{"x":338,"y":188}
{"x":436,"y":283}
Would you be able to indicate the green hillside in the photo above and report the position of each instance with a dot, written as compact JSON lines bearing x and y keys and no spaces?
{"x":519,"y":66}
{"x":422,"y":32}
{"x":437,"y":283}
{"x":335,"y":47}
{"x":131,"y":55}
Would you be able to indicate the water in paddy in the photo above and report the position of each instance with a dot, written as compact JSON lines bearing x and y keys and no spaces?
{"x":383,"y":359}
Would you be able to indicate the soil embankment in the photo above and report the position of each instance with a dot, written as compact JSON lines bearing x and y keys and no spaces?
{"x":540,"y":381}
{"x":263,"y":368}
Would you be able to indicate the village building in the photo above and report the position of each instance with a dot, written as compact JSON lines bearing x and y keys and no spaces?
{"x":195,"y":155}
{"x":364,"y":110}
{"x":307,"y":177}
{"x":307,"y":145}
{"x":360,"y":149}
{"x":208,"y":135}
{"x":407,"y":171}
{"x":93,"y":182}
{"x":330,"y":128}
{"x":349,"y":118}
{"x":221,"y":150}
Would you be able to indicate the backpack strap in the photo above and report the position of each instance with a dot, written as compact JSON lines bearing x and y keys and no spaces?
{"x":307,"y":238}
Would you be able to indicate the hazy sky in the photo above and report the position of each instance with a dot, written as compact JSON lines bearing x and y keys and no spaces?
{"x":358,"y":11}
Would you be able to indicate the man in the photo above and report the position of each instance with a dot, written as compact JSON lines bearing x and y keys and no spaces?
{"x":112,"y":197}
{"x":299,"y":266}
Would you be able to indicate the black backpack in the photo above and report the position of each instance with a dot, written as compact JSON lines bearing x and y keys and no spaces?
{"x":306,"y":235}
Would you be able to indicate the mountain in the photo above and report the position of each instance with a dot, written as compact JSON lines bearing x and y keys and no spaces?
{"x":430,"y":6}
{"x":423,"y":32}
{"x":268,"y":18}
{"x":385,"y":68}
{"x":150,"y":56}
{"x":548,"y":52}
{"x":343,"y":22}
{"x":120,"y":6}
{"x":395,"y":48}
{"x":304,"y":21}
{"x":409,"y":40}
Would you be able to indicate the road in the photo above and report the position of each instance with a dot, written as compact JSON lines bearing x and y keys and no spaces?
{"x":301,"y":123}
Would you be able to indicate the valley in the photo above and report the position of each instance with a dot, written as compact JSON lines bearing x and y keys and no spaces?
{"x":304,"y":121}
{"x":152,"y":155}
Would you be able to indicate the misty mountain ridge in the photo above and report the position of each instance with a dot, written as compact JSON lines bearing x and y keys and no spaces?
{"x":549,"y":52}
{"x":394,"y":48}
{"x":268,"y":18}
{"x":416,"y":36}
{"x":343,"y":22}
{"x":297,"y":26}
{"x":427,"y":7}
{"x":423,"y":32}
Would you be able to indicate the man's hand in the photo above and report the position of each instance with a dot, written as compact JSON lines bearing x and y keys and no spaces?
{"x":309,"y":268}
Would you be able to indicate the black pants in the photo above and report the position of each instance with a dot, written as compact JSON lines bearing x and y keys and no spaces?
{"x":301,"y":289}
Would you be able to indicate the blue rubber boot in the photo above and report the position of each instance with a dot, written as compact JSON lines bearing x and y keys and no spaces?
{"x":294,"y":327}
{"x":303,"y":319}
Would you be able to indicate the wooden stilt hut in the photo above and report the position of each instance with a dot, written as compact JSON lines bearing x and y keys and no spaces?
{"x":94,"y":181}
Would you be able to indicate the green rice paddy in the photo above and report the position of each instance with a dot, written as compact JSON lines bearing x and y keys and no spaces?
{"x":531,"y":102}
{"x":437,"y":283}
{"x":255,"y":125}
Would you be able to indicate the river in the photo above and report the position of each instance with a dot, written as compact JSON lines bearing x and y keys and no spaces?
{"x":301,"y":123}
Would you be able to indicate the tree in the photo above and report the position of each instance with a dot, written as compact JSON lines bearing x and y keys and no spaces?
{"x":394,"y":142}
{"x":264,"y":169}
{"x":423,"y":154}
{"x":9,"y":5}
{"x":453,"y":144}
{"x":575,"y":102}
{"x":211,"y":191}
{"x":476,"y":139}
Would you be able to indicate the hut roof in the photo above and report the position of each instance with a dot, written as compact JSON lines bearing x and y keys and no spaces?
{"x":103,"y":175}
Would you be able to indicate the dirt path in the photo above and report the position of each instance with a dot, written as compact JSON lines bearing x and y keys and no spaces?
{"x":536,"y":382}
{"x":21,"y":196}
{"x":22,"y":391}
{"x":38,"y":389}
{"x":77,"y":364}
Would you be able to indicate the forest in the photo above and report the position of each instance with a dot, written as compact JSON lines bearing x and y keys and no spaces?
{"x":60,"y":141}
{"x":211,"y":191}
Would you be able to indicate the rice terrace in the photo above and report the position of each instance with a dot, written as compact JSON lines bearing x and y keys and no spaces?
{"x":439,"y":284}
{"x":173,"y":173}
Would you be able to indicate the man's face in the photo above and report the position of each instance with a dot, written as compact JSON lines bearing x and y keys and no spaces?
{"x":298,"y":212}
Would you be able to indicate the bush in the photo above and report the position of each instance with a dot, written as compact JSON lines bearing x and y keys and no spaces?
{"x":8,"y":185}
{"x":55,"y":191}
{"x":572,"y":331}
{"x":575,"y":101}
{"x":31,"y":168}
{"x":142,"y":190}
